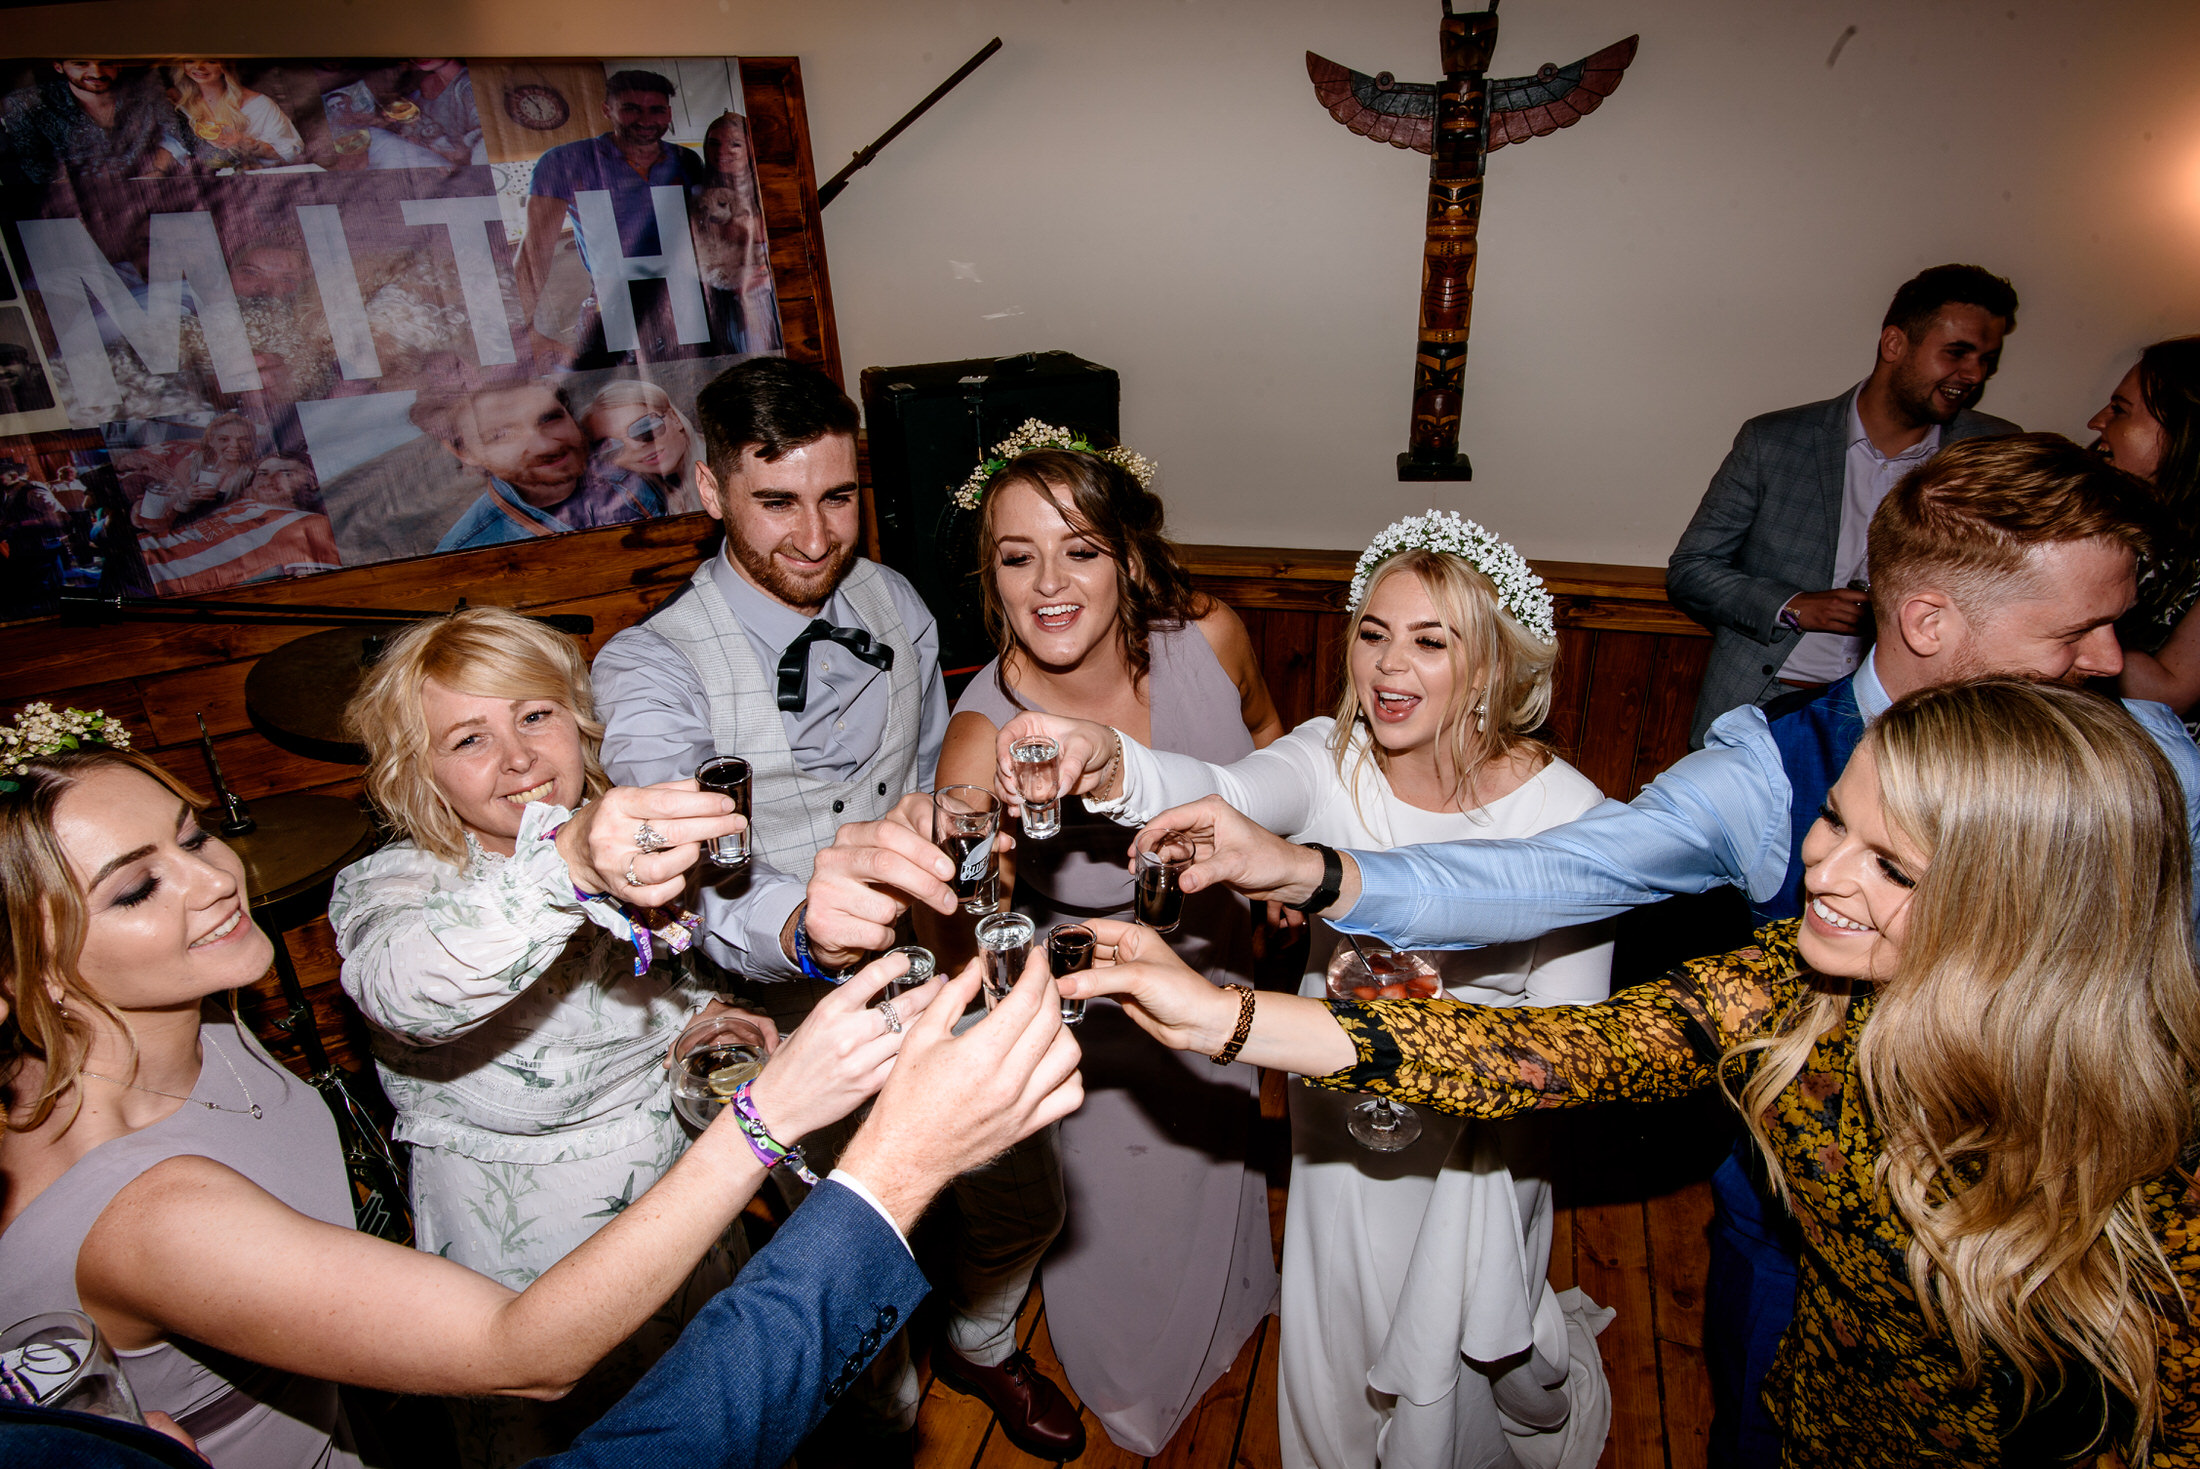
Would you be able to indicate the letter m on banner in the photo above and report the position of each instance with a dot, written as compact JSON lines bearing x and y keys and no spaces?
{"x":70,"y":274}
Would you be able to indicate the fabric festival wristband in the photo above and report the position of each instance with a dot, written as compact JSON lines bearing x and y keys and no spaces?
{"x":810,"y":969}
{"x":769,"y":1151}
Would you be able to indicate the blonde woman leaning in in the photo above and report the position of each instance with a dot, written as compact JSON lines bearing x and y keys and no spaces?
{"x":1417,"y":1325}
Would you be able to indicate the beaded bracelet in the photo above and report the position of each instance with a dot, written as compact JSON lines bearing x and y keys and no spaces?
{"x":769,"y":1151}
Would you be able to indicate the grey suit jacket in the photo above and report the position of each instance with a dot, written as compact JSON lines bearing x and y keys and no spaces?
{"x":1767,"y":529}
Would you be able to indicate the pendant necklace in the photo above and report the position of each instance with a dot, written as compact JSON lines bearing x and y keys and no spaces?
{"x":249,"y":1109}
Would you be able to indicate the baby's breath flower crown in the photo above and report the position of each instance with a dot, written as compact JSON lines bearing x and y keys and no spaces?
{"x":1036,"y":435}
{"x":1519,"y":590}
{"x":38,"y":730}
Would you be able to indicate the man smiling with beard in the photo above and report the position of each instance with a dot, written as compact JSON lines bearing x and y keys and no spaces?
{"x":1774,"y":560}
{"x":821,"y":669}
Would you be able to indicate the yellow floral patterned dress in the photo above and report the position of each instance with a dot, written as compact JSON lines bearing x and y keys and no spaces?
{"x":1860,"y":1379}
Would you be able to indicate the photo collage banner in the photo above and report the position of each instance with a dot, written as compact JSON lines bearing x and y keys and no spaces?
{"x":266,"y":318}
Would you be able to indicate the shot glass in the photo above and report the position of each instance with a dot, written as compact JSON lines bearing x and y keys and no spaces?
{"x":1005,"y":940}
{"x":1160,"y":900}
{"x":965,"y":820}
{"x":1038,"y":764}
{"x":713,"y":1056}
{"x":922,"y":966}
{"x":1069,"y":951}
{"x":59,"y":1360}
{"x":728,"y":775}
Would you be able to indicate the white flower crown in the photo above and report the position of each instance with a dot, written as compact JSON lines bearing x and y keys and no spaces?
{"x":1519,"y":590}
{"x":37,"y":730}
{"x":1036,"y":435}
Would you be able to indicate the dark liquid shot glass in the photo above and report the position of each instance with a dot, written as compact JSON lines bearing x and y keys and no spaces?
{"x":1069,"y":951}
{"x":1160,"y":896}
{"x":729,"y":776}
{"x":965,"y":820}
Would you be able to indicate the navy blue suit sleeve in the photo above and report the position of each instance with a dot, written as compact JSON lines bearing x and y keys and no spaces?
{"x":757,"y":1367}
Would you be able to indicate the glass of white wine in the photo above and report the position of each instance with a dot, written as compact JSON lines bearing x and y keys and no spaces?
{"x":713,"y":1056}
{"x":1369,"y":969}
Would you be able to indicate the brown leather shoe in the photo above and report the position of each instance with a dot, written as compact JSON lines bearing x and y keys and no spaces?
{"x":1034,"y":1413}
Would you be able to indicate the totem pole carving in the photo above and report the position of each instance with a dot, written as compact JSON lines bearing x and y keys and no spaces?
{"x":1457,"y":123}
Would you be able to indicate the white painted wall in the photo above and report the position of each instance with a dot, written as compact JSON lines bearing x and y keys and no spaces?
{"x":1151,"y":184}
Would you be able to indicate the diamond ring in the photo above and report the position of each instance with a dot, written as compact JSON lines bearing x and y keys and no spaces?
{"x":632,"y":881}
{"x":887,"y":1013}
{"x":648,"y":839}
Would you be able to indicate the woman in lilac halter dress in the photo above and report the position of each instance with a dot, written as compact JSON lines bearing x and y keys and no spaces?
{"x":1164,"y":1267}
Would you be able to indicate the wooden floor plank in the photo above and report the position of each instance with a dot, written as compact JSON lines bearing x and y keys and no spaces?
{"x":1686,"y":1388}
{"x":954,"y":1429}
{"x":1260,"y":1441}
{"x":1611,"y":1262}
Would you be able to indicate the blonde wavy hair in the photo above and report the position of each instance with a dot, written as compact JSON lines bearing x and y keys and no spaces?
{"x":486,"y":651}
{"x":1501,"y":673}
{"x":42,"y":928}
{"x":2030,"y":1066}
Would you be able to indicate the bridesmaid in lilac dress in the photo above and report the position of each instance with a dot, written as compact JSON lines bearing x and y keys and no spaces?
{"x":1164,"y":1268}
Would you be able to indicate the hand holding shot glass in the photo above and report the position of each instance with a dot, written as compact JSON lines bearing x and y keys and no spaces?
{"x":1069,"y":951}
{"x":729,"y":776}
{"x":1038,"y":782}
{"x":1159,"y":865}
{"x":965,"y":822}
{"x":812,"y":1075}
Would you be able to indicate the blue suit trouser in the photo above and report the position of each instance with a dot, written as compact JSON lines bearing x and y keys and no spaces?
{"x":1748,"y":1301}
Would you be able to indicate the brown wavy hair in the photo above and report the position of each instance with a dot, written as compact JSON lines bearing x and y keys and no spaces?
{"x":1106,"y":503}
{"x":2031,"y":1062}
{"x":42,"y":927}
{"x":488,"y":651}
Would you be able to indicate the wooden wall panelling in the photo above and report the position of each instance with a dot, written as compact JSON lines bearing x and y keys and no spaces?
{"x":1612,"y":714}
{"x":779,"y":137}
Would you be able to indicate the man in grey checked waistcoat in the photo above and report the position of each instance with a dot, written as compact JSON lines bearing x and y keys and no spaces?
{"x":821,"y":669}
{"x":1773,"y":562}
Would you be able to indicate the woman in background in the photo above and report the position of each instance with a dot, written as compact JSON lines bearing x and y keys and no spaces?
{"x":205,"y":478}
{"x":641,"y":441}
{"x":1164,"y":1267}
{"x":2151,"y":428}
{"x":239,"y":127}
{"x":1418,"y":1327}
{"x":1970,"y":1067}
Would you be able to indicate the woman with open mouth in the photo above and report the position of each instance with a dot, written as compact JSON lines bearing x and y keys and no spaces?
{"x":1164,"y":1268}
{"x":1970,"y":1068}
{"x":1417,"y":1324}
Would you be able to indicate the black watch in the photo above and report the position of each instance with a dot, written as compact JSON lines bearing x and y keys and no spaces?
{"x":1331,"y":884}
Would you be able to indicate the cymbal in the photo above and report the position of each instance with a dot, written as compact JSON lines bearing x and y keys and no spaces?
{"x":300,"y":841}
{"x":296,"y":694}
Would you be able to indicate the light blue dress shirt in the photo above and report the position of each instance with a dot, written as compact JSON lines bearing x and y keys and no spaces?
{"x":1719,"y":815}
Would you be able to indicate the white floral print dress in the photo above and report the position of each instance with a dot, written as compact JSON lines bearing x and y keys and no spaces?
{"x":524,"y":1057}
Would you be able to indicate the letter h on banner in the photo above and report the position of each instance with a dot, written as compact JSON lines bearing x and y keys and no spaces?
{"x":611,"y":269}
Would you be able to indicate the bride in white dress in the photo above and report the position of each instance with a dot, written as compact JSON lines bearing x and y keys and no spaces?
{"x":1419,"y":1331}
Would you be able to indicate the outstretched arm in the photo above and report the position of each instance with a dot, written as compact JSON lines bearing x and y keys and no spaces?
{"x":1720,"y":815}
{"x":1654,"y":1040}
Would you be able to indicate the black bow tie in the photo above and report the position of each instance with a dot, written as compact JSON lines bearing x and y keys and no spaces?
{"x":794,"y":664}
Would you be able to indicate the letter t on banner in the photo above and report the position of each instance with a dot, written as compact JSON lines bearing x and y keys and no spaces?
{"x":612,"y":268}
{"x":477,"y":267}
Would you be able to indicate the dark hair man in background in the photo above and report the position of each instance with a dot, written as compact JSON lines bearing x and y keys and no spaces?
{"x":1774,"y":562}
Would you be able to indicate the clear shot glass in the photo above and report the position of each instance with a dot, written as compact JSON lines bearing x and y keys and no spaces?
{"x":1038,"y":762}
